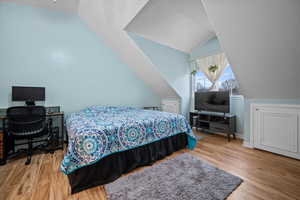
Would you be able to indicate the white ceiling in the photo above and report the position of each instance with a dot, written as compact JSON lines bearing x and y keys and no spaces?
{"x":69,"y":6}
{"x":176,"y":23}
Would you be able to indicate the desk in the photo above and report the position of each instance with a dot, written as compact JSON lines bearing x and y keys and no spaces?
{"x":54,"y":114}
{"x":3,"y":135}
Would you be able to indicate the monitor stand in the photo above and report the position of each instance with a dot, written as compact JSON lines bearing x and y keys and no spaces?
{"x":30,"y":103}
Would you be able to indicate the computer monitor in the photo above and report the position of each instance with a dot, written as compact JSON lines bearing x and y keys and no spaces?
{"x":28,"y":94}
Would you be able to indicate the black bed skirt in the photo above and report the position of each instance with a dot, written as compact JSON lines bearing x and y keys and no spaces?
{"x":113,"y":166}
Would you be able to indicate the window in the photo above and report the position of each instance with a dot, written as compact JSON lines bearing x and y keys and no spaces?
{"x":226,"y":82}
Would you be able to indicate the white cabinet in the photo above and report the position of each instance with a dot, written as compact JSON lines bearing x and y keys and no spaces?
{"x":171,"y":105}
{"x":275,"y":128}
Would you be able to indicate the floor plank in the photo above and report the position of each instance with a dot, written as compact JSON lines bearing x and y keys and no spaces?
{"x":265,"y":175}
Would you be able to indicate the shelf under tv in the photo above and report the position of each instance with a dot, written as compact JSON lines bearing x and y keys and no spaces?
{"x":203,"y":121}
{"x":214,"y":122}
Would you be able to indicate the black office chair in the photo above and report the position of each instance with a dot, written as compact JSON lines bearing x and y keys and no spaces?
{"x":27,"y":122}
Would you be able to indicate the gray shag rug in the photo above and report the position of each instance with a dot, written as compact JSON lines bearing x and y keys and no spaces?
{"x":184,"y":177}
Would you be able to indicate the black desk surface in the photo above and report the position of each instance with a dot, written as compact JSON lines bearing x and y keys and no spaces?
{"x":47,"y":114}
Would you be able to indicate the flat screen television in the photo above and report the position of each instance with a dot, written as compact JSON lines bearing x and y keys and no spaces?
{"x":28,"y":94}
{"x":212,"y":101}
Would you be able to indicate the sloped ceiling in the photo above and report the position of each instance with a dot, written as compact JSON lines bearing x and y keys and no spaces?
{"x":262,"y":42}
{"x":172,"y":64}
{"x":260,"y":38}
{"x":69,"y":6}
{"x":176,"y":23}
{"x":108,"y":19}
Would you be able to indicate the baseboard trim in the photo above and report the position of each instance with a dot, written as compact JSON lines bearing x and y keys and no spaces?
{"x":247,"y":144}
{"x":238,"y":135}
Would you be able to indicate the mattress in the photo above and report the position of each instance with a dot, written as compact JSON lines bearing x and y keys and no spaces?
{"x":99,"y":131}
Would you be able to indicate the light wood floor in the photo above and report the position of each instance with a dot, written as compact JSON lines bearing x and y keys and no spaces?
{"x":265,"y":175}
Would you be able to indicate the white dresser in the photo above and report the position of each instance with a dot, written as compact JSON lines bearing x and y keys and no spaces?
{"x":171,"y":105}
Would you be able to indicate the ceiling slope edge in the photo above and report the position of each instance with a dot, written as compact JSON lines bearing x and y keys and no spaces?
{"x":107,"y":18}
{"x":150,"y":60}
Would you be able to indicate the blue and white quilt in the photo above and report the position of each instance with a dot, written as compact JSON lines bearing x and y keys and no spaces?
{"x":99,"y":131}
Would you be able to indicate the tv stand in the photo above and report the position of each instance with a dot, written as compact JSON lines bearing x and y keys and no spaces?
{"x":214,"y":122}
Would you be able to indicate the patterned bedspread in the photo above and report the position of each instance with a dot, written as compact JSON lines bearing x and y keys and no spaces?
{"x":99,"y":131}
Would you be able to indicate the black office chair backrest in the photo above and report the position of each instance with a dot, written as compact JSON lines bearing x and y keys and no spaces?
{"x":26,"y":120}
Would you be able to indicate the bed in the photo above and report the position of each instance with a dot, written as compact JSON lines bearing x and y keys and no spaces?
{"x":106,"y":142}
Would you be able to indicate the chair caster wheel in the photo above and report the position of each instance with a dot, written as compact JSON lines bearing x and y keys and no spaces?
{"x":2,"y":162}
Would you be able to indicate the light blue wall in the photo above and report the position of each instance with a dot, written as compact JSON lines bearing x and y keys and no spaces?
{"x":209,"y":48}
{"x":39,"y":47}
{"x":266,"y":101}
{"x":172,"y":64}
